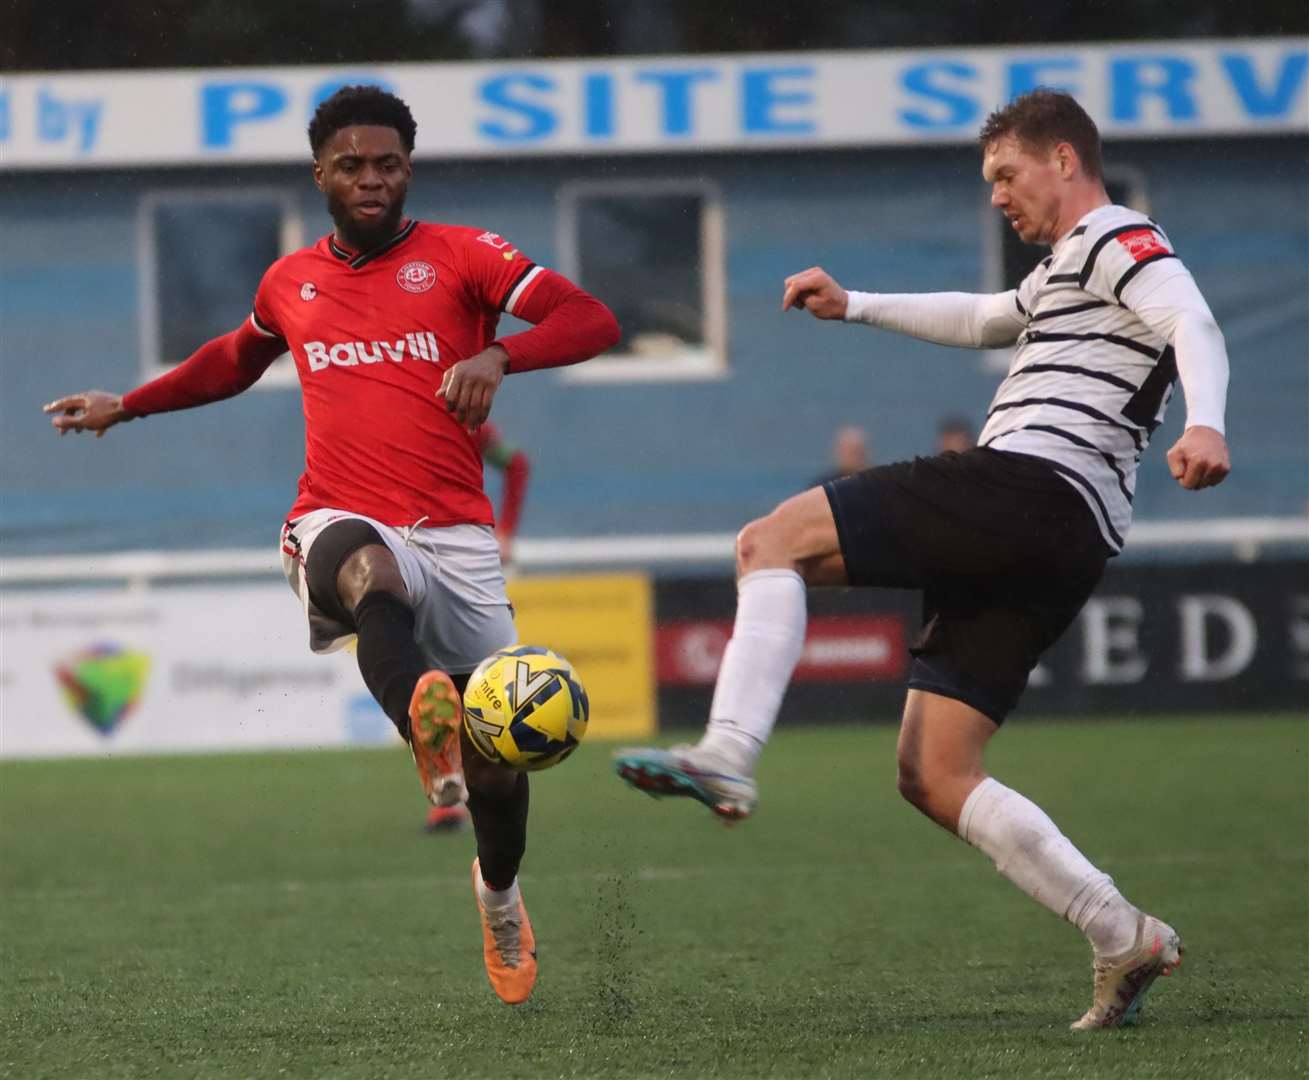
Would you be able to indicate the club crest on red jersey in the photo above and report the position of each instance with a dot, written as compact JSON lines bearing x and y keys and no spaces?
{"x":308,"y":291}
{"x":1142,"y":243}
{"x":416,"y":277}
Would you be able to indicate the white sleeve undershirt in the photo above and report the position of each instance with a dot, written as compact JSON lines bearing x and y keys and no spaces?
{"x":966,"y":320}
{"x":1175,"y":310}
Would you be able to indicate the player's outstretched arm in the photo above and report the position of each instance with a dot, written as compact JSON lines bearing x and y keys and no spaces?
{"x":91,"y":410}
{"x":965,"y":320}
{"x":218,"y":369}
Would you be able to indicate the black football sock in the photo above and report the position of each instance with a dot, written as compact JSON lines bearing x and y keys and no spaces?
{"x":500,"y":822}
{"x":389,"y":658}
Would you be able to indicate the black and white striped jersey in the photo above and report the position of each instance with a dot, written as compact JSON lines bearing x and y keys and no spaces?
{"x":1089,"y":381}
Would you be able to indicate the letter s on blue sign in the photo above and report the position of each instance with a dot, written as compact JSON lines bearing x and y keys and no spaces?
{"x":532,"y":121}
{"x":949,"y":109}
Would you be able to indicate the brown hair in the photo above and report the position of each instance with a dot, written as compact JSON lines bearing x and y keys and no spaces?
{"x":1042,"y":118}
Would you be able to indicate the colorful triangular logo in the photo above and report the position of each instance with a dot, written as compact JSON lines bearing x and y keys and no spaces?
{"x":103,"y":683}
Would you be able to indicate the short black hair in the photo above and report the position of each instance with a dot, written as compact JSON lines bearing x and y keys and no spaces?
{"x":1042,"y":118}
{"x":361,"y":105}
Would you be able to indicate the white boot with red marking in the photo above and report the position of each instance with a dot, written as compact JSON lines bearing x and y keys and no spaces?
{"x":1121,"y":982}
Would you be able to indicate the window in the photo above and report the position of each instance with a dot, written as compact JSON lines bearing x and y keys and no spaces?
{"x":203,"y":255}
{"x":653,"y":251}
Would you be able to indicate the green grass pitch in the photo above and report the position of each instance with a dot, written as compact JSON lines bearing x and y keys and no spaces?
{"x":282,"y":915}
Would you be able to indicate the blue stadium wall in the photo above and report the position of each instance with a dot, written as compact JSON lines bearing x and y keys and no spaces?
{"x":671,"y":457}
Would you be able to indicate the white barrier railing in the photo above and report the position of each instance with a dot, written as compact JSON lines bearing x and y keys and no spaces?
{"x":1245,"y":538}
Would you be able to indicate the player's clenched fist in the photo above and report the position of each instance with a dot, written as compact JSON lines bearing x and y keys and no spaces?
{"x":94,"y":410}
{"x":1199,"y":458}
{"x":469,"y":386}
{"x":817,"y":292}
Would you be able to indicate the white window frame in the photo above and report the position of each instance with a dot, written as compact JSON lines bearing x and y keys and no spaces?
{"x":703,"y":364}
{"x":282,"y":372}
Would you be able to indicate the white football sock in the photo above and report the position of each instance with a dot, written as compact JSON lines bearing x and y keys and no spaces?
{"x":496,"y":899}
{"x":767,"y":639}
{"x":1028,"y":848}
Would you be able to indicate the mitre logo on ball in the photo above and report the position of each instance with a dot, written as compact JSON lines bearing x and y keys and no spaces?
{"x":416,"y":277}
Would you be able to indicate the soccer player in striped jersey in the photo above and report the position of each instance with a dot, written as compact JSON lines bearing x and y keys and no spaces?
{"x":391,"y":324}
{"x":1006,"y":540}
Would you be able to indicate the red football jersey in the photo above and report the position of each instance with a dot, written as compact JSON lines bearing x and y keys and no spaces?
{"x":372,"y":336}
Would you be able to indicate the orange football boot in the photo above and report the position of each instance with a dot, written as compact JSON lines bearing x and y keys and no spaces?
{"x":435,"y":714}
{"x":447,"y":819}
{"x":508,"y":947}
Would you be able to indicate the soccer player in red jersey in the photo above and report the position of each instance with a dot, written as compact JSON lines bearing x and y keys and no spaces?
{"x":391,"y":323}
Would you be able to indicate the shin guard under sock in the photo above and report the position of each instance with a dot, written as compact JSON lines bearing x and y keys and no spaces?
{"x":389,"y":658}
{"x":500,"y":822}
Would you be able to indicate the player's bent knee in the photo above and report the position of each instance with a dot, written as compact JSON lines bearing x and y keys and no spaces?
{"x":336,"y":546}
{"x":761,"y":545}
{"x":912,"y":784}
{"x":371,"y":568}
{"x":926,"y":789}
{"x":800,"y":535}
{"x":747,"y":547}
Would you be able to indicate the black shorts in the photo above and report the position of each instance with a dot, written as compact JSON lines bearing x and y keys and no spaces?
{"x":1005,"y":551}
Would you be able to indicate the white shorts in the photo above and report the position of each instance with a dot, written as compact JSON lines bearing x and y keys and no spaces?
{"x":454,"y":580}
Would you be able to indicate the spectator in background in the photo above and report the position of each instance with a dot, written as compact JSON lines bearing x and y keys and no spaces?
{"x":515,"y":468}
{"x":955,"y":433}
{"x":849,"y":453}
